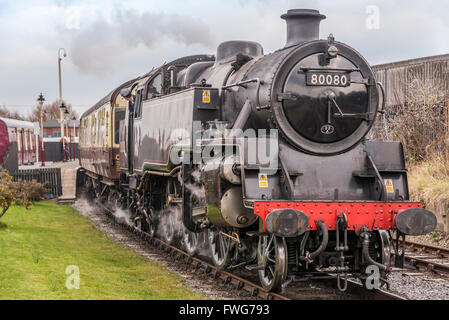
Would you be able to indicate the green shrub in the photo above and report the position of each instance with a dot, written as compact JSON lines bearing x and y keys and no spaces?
{"x":31,"y":191}
{"x":23,"y":193}
{"x":8,"y":192}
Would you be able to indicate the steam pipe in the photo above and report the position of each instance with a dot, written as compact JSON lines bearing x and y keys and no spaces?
{"x":241,"y":120}
{"x":173,"y":71}
{"x":172,"y":174}
{"x":311,"y":256}
{"x":366,"y":255}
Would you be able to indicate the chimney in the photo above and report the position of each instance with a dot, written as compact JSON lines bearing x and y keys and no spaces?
{"x":302,"y":25}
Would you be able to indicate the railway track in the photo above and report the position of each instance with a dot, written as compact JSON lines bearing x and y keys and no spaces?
{"x":426,"y":257}
{"x":355,"y":289}
{"x":198,"y":264}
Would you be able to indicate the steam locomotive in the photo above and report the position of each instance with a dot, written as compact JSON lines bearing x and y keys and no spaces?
{"x":264,"y":156}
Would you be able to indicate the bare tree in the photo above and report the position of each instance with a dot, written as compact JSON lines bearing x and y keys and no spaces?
{"x":421,"y":123}
{"x":6,"y":113}
{"x":51,"y":112}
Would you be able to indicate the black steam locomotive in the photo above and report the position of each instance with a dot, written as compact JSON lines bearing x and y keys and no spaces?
{"x":264,"y":156}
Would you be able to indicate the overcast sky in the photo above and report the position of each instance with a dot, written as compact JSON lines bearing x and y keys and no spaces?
{"x":110,"y":41}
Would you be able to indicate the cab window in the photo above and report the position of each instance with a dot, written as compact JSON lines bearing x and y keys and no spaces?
{"x":154,"y":87}
{"x":138,"y":105}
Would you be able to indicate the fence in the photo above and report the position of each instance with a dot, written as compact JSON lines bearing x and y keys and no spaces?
{"x":49,"y":178}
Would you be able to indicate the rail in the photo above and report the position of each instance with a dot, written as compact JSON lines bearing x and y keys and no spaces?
{"x":228,"y":278}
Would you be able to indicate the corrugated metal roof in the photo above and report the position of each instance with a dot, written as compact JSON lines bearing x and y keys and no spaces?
{"x":51,"y":124}
{"x":54,"y":123}
{"x":397,"y":64}
{"x":13,"y":123}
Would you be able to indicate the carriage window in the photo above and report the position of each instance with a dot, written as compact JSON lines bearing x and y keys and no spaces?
{"x":93,"y":122}
{"x":119,"y":116}
{"x":154,"y":88}
{"x":19,"y":140}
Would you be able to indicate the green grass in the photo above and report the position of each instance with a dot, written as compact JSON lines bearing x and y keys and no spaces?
{"x":429,"y":182}
{"x":36,"y":247}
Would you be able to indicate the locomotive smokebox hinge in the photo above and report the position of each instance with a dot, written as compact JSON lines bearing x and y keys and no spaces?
{"x":266,"y":107}
{"x":286,"y":96}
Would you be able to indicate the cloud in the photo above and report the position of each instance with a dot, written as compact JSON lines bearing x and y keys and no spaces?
{"x":303,"y":4}
{"x":105,"y":37}
{"x":72,"y":18}
{"x":291,"y":4}
{"x":98,"y":47}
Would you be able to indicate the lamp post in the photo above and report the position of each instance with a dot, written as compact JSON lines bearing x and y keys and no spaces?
{"x":61,"y":54}
{"x":61,"y":109}
{"x":67,"y":120}
{"x":41,"y":100}
{"x":74,"y":136}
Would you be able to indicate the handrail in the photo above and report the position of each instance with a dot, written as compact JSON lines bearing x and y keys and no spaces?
{"x":242,"y":84}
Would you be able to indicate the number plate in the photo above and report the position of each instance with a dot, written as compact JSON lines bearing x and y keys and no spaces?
{"x":332,"y":79}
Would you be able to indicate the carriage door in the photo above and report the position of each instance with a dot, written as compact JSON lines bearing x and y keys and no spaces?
{"x":119,"y":117}
{"x":20,"y":145}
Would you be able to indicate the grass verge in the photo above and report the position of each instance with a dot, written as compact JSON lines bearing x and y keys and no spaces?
{"x":429,"y":183}
{"x":37,"y":246}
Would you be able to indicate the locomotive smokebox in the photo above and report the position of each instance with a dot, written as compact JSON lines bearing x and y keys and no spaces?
{"x":302,"y":25}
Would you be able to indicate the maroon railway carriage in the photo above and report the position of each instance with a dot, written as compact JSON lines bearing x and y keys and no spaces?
{"x":99,"y":138}
{"x":18,"y":143}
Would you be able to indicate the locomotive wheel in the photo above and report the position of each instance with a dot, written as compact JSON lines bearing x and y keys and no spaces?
{"x":168,"y":228}
{"x":272,"y":254}
{"x":219,"y":248}
{"x":113,"y":198}
{"x":190,"y":241}
{"x":152,"y":229}
{"x":138,"y":223}
{"x":151,"y":222}
{"x":120,"y":203}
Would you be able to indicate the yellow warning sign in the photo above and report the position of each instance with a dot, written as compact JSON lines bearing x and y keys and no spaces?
{"x":263,"y":181}
{"x":389,"y":186}
{"x":206,"y":96}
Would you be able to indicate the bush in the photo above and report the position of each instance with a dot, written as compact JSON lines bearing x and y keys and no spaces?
{"x":8,"y":192}
{"x":31,"y":191}
{"x":24,"y":193}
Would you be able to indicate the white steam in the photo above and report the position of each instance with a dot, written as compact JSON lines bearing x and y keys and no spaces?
{"x":122,"y":216}
{"x":170,"y":220}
